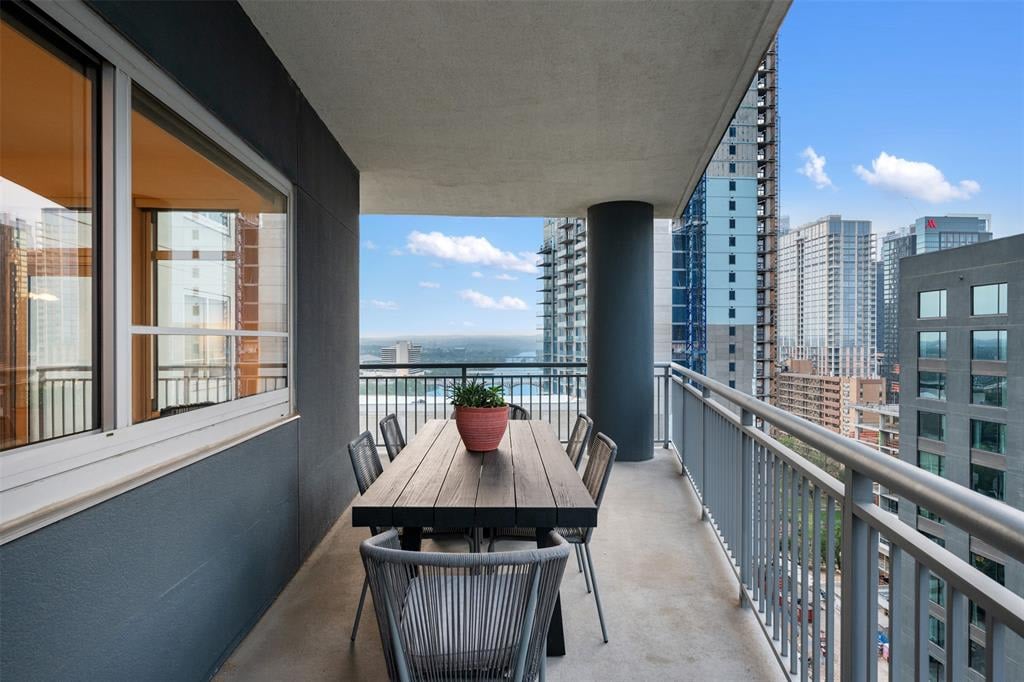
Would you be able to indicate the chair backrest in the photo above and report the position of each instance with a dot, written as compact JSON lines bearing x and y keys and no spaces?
{"x":599,"y":466}
{"x":446,"y":615}
{"x":517,"y":412}
{"x":391,"y":432}
{"x":579,"y":439}
{"x":365,"y":460}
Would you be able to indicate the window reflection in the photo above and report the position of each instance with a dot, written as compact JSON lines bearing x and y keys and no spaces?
{"x":209,"y":248}
{"x":47,"y":136}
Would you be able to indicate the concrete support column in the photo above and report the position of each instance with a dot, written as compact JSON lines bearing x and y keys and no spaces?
{"x":620,"y":325}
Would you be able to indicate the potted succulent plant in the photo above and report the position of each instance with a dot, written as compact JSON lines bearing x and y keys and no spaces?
{"x":481,"y":414}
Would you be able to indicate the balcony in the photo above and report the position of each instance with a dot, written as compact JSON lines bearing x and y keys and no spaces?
{"x":740,"y":525}
{"x":691,"y":636}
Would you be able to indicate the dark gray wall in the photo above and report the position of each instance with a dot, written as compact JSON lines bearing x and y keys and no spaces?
{"x":620,"y":324}
{"x":162,"y":582}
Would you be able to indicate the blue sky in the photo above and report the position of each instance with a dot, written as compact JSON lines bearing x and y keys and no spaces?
{"x":889,"y":111}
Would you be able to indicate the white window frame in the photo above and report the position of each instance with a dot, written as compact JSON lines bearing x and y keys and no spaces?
{"x":44,"y":482}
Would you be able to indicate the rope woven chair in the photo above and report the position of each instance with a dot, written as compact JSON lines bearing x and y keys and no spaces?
{"x":446,"y":616}
{"x":578,"y":441}
{"x":595,"y":478}
{"x":391,"y":432}
{"x":517,"y":412}
{"x":367,"y":467}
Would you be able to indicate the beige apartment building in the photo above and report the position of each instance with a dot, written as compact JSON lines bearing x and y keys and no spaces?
{"x":830,"y":401}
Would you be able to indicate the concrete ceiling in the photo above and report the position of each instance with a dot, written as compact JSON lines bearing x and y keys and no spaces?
{"x":522,"y":108}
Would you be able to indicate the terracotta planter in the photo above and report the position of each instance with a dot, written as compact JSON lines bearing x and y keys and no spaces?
{"x":481,"y":428}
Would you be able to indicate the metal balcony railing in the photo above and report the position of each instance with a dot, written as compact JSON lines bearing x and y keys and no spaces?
{"x":553,"y":391}
{"x":786,"y":526}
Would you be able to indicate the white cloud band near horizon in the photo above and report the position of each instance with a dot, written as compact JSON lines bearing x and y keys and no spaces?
{"x":916,"y":179}
{"x":814,"y":168}
{"x":469,"y":250}
{"x":486,"y":302}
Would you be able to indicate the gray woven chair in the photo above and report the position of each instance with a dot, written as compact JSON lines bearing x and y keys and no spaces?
{"x":595,"y":478}
{"x":367,"y":467}
{"x":578,"y":442}
{"x":391,"y":432}
{"x":517,"y":412}
{"x":445,"y":616}
{"x":579,"y":439}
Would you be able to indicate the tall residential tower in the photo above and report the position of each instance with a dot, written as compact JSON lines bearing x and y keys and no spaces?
{"x":723,"y":279}
{"x":826,"y":272}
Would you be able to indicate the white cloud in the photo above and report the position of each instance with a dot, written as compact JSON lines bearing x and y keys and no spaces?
{"x":467,"y":323}
{"x":370,"y":246}
{"x":916,"y":179}
{"x":384,"y":305}
{"x":395,"y":252}
{"x":505,"y":277}
{"x":469,"y":249}
{"x":483,"y":301}
{"x":477,"y":274}
{"x":814,"y":168}
{"x":429,"y":285}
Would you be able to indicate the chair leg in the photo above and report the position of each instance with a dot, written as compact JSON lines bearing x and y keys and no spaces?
{"x":359,"y":611}
{"x":543,"y":662}
{"x":597,"y":596}
{"x":586,"y":571}
{"x":579,"y":557}
{"x":490,"y":545}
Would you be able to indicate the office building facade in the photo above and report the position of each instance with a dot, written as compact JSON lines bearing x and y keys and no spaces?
{"x":402,"y":353}
{"x":927,"y":234}
{"x":827,"y":400}
{"x":826,"y":273}
{"x":723,"y":270}
{"x":962,"y":415}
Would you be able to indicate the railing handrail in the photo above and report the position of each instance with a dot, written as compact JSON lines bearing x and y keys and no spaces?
{"x":470,"y":365}
{"x":992,"y":521}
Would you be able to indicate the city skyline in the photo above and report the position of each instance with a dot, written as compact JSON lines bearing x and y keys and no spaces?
{"x":921,"y":154}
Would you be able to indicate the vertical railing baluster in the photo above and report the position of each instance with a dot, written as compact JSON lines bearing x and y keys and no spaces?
{"x":805,"y":580}
{"x":856,"y":647}
{"x":830,"y":587}
{"x":791,"y":572}
{"x":956,"y":634}
{"x":814,"y":607}
{"x":921,"y":599}
{"x":995,"y":648}
{"x":896,"y":615}
{"x":746,"y":499}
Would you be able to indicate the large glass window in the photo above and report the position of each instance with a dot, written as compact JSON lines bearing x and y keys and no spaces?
{"x":209,"y":268}
{"x":936,"y":464}
{"x":931,"y":303}
{"x":987,"y":390}
{"x":988,"y":436}
{"x":994,"y":570}
{"x":988,"y":299}
{"x":931,"y":425}
{"x":988,"y":345}
{"x":931,"y":385}
{"x":937,"y":632}
{"x":48,"y":234}
{"x":931,"y":344}
{"x":987,"y":481}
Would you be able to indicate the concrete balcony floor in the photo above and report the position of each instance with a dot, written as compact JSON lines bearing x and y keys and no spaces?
{"x":669,"y":598}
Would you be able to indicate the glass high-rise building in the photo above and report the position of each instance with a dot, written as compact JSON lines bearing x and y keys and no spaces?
{"x":927,"y":234}
{"x":723,"y":279}
{"x":826,"y":273}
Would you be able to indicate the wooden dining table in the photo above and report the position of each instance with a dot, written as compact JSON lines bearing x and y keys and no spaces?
{"x":528,"y":482}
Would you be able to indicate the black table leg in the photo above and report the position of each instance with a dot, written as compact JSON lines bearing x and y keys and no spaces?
{"x":556,"y":636}
{"x":411,"y":539}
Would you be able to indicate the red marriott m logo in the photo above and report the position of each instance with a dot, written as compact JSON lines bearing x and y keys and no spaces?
{"x":930,"y":223}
